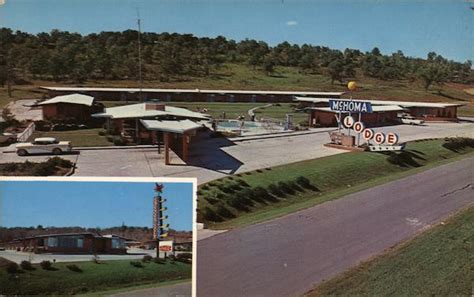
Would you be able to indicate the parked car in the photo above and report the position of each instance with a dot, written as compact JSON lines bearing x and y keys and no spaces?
{"x":7,"y":138}
{"x":43,"y":145}
{"x":410,"y":120}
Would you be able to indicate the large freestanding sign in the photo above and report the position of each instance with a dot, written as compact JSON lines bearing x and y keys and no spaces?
{"x":384,"y":142}
{"x":350,"y":106}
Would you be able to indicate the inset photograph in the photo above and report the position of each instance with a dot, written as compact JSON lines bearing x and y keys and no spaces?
{"x":101,"y":237}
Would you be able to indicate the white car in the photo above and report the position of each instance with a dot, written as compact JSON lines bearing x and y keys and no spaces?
{"x":8,"y":138}
{"x":44,"y":145}
{"x":411,"y":120}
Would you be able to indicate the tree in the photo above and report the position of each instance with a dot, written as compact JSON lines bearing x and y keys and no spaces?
{"x":433,"y":73}
{"x":336,"y":70}
{"x":269,"y":63}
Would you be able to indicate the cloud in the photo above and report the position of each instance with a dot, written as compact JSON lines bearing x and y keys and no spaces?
{"x":291,"y":23}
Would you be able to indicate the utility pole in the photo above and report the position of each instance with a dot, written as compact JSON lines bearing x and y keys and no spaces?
{"x":160,"y":229}
{"x":139,"y":56}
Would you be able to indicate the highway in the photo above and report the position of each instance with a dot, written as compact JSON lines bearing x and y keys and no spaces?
{"x":288,"y":256}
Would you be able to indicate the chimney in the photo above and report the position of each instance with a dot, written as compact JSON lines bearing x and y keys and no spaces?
{"x":154,"y":106}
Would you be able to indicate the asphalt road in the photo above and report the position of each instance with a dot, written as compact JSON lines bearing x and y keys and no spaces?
{"x":290,"y":255}
{"x":178,"y":290}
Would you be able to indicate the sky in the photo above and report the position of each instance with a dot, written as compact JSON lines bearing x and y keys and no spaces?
{"x":415,"y":27}
{"x":91,"y":204}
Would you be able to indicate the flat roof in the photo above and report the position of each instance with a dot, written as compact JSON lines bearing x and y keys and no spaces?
{"x":375,"y":108}
{"x":385,"y":102}
{"x":70,"y":99}
{"x":171,"y":126}
{"x":204,"y":91}
{"x":139,"y":110}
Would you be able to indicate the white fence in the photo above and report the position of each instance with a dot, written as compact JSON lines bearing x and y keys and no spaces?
{"x":23,"y":136}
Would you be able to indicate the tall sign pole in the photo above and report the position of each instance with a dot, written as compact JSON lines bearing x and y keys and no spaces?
{"x":160,"y":229}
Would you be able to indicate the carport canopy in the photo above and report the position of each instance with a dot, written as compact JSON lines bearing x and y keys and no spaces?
{"x":70,"y":99}
{"x":179,"y":127}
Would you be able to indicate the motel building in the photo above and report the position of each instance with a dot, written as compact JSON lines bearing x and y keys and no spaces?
{"x":154,"y":123}
{"x":73,"y":106}
{"x":71,"y":243}
{"x":189,"y":95}
{"x":383,"y":112}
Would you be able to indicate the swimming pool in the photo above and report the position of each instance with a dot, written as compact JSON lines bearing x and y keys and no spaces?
{"x":234,"y":124}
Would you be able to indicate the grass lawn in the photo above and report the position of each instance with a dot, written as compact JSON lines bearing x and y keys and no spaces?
{"x":109,"y":275}
{"x":436,"y":263}
{"x":134,"y":288}
{"x":82,"y":137}
{"x":261,"y":195}
{"x":233,"y":110}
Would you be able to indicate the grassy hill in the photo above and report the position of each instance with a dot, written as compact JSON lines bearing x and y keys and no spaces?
{"x":238,"y":76}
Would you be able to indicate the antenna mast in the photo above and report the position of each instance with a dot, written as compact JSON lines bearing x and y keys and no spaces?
{"x":139,"y":56}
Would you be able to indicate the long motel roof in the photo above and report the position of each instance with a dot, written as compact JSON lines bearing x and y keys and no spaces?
{"x":171,"y":126}
{"x":204,"y":91}
{"x":140,"y":111}
{"x":70,"y":99}
{"x":384,"y":102}
{"x":375,"y":108}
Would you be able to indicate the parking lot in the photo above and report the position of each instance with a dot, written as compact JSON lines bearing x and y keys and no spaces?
{"x":212,"y":158}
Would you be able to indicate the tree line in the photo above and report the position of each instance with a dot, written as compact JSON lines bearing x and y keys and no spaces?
{"x":140,"y":233}
{"x":66,"y":56}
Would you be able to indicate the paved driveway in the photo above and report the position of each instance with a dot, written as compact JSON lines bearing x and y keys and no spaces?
{"x":289,"y":255}
{"x":23,"y":111}
{"x":212,"y":158}
{"x":132,"y":253}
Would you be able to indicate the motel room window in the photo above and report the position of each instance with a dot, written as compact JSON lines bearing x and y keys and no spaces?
{"x":52,"y":242}
{"x":80,"y":243}
{"x":118,"y":243}
{"x":71,"y":242}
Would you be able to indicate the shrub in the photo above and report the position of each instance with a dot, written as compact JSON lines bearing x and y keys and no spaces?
{"x":159,"y":261}
{"x":118,"y":141}
{"x":110,"y":138}
{"x":261,"y":192}
{"x":285,"y":188}
{"x":12,"y":267}
{"x":10,"y":167}
{"x":42,"y":126}
{"x":242,"y":183}
{"x":184,"y":257}
{"x":57,"y":161}
{"x":137,"y":264}
{"x":147,"y":258}
{"x":222,"y":211}
{"x":211,"y":200}
{"x":43,"y":169}
{"x":303,"y":181}
{"x":210,"y":215}
{"x":46,"y":265}
{"x":239,"y":202}
{"x":102,"y":133}
{"x":294,"y":186}
{"x":74,"y":267}
{"x":205,"y":187}
{"x":26,"y":265}
{"x":275,"y":190}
